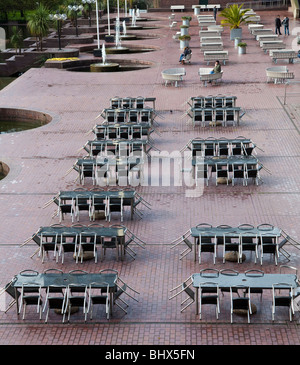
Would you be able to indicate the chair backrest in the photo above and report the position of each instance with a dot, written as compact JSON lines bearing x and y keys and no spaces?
{"x":209,"y":273}
{"x":229,"y":272}
{"x":99,"y":286}
{"x":245,"y":226}
{"x":28,"y":272}
{"x":254,"y":272}
{"x":52,"y":271}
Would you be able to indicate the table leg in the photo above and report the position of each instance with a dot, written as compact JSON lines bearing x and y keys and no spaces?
{"x":197,"y":300}
{"x":17,"y":301}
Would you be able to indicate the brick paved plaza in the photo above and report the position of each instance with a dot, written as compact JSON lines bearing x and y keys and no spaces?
{"x":39,"y":160}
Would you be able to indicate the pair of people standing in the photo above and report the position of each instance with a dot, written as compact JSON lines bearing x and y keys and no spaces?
{"x":285,"y":22}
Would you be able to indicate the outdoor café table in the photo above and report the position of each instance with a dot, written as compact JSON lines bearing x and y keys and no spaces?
{"x":198,"y":145}
{"x":69,"y":197}
{"x":97,"y":146}
{"x":112,"y":115}
{"x":65,"y":279}
{"x":146,"y":128}
{"x":89,"y":163}
{"x":228,"y":160}
{"x":252,"y":281}
{"x":98,"y":232}
{"x":231,"y":232}
{"x":129,"y":102}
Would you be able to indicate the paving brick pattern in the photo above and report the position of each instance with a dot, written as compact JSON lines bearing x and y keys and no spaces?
{"x":40,"y":158}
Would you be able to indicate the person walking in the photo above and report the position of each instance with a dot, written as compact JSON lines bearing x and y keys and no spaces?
{"x":215,"y":12}
{"x":286,"y":24}
{"x":277,"y":25}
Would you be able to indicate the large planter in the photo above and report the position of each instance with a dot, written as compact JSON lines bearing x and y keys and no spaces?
{"x":184,"y":31}
{"x":186,"y":22}
{"x":236,"y":42}
{"x":196,"y":10}
{"x":235,"y":33}
{"x":183,"y":44}
{"x":242,"y":50}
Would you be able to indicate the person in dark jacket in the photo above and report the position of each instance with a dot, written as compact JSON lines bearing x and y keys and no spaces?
{"x":277,"y":25}
{"x":285,"y":24}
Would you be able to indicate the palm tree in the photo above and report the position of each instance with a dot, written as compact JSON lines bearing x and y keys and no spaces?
{"x":234,"y":16}
{"x":16,"y":39}
{"x":39,"y":23}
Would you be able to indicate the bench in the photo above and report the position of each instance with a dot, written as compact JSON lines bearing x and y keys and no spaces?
{"x":206,"y":76}
{"x":278,"y":74}
{"x":267,"y":45}
{"x":266,"y":37}
{"x":212,"y":46}
{"x":176,"y":35}
{"x":218,"y":28}
{"x":209,"y":33}
{"x":207,"y":7}
{"x":206,"y":23}
{"x":281,"y":54}
{"x":253,"y":18}
{"x":210,"y":39}
{"x":205,"y":17}
{"x":177,"y":7}
{"x":212,"y":56}
{"x":256,"y":32}
{"x":255,"y":26}
{"x":173,"y":75}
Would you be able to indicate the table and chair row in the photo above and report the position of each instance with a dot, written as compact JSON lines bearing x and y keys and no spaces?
{"x":227,"y":169}
{"x":204,"y":288}
{"x":56,"y":290}
{"x":216,"y":147}
{"x":214,"y":110}
{"x":129,"y":102}
{"x":75,"y":201}
{"x":110,"y":170}
{"x":260,"y":240}
{"x":81,"y":240}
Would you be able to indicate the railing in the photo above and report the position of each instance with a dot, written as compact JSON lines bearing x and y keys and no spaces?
{"x":263,"y":4}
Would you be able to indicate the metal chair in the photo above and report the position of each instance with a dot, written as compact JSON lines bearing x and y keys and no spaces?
{"x":66,"y":206}
{"x":268,"y":245}
{"x":87,"y":243}
{"x":31,"y":295}
{"x":82,"y":203}
{"x":240,"y":303}
{"x":207,"y":244}
{"x":230,"y":244}
{"x":255,"y":273}
{"x":48,"y":243}
{"x":68,"y":243}
{"x":98,"y":204}
{"x":223,"y":172}
{"x":55,"y":299}
{"x":229,"y":272}
{"x":97,"y":295}
{"x":109,"y":242}
{"x":238,"y":172}
{"x":209,"y":294}
{"x":279,"y":300}
{"x":77,"y":296}
{"x":114,"y":205}
{"x":201,"y":173}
